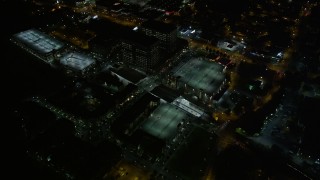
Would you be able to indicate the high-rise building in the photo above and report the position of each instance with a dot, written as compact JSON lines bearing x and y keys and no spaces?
{"x":166,"y":33}
{"x":139,"y":50}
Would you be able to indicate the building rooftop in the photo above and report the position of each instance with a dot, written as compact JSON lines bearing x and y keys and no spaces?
{"x":163,"y":122}
{"x":124,"y":121}
{"x":202,"y":74}
{"x":165,"y":93}
{"x":130,"y":74}
{"x":159,"y":26}
{"x":140,"y":39}
{"x":76,"y":60}
{"x":38,"y":41}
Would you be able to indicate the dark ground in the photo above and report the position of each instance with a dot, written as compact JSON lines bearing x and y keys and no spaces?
{"x":22,"y":76}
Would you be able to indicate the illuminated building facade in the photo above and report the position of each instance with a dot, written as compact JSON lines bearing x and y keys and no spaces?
{"x":166,"y":33}
{"x":140,"y":50}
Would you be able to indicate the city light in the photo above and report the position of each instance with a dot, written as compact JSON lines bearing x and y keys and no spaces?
{"x":164,"y":89}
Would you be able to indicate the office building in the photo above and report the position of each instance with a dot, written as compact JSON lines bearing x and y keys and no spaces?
{"x":166,"y":33}
{"x":139,"y":50}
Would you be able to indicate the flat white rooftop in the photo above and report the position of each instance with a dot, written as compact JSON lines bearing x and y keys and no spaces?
{"x":188,"y":106}
{"x":76,"y":60}
{"x":200,"y":73}
{"x":38,"y":41}
{"x":163,"y":121}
